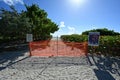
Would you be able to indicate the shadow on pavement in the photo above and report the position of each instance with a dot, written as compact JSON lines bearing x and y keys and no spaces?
{"x":9,"y":58}
{"x":105,"y":65}
{"x":103,"y":75}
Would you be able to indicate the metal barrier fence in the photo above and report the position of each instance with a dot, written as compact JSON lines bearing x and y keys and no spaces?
{"x":50,"y":48}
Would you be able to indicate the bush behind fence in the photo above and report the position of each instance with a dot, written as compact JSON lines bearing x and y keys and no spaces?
{"x":108,"y":45}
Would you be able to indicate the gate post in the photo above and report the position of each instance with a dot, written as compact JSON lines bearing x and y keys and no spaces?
{"x":57,"y":46}
{"x":30,"y":48}
{"x":86,"y":48}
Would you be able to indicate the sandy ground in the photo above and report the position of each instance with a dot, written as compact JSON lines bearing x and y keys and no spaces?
{"x":19,"y":66}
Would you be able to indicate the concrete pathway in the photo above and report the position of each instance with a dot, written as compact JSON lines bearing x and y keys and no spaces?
{"x":22,"y":67}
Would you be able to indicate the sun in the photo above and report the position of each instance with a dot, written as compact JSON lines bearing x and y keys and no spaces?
{"x":76,"y":3}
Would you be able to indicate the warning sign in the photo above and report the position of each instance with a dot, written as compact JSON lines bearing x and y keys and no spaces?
{"x":93,"y":39}
{"x":29,"y":37}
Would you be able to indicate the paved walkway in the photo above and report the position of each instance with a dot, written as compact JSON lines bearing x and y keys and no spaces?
{"x":18,"y":66}
{"x":41,"y":68}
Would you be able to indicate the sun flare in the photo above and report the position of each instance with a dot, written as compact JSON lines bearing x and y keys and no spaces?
{"x":77,"y":3}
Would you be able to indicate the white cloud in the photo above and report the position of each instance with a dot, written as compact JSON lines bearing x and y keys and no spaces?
{"x":9,"y":2}
{"x":20,"y":1}
{"x":62,"y":24}
{"x":94,"y":27}
{"x":13,"y":2}
{"x":60,"y":32}
{"x":72,"y":30}
{"x":63,"y":30}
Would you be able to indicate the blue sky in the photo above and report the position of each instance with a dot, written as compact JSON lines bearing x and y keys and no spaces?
{"x":76,"y":16}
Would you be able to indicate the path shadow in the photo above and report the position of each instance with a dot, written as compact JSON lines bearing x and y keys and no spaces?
{"x":103,"y":75}
{"x":105,"y":65}
{"x":9,"y":58}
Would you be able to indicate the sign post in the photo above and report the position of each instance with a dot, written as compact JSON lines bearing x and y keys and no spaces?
{"x":93,"y":38}
{"x":29,"y":38}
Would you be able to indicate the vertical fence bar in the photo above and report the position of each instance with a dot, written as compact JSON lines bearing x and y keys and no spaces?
{"x":86,"y":48}
{"x":57,"y":46}
{"x":30,"y":48}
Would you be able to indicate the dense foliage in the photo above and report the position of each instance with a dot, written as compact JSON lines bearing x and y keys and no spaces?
{"x":41,"y":26}
{"x":103,"y":32}
{"x":108,"y":45}
{"x":15,"y":26}
{"x":74,"y":38}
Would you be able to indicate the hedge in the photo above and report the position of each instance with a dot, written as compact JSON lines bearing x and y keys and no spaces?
{"x":108,"y":45}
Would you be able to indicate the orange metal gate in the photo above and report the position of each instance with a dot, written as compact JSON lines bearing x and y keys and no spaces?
{"x":51,"y":48}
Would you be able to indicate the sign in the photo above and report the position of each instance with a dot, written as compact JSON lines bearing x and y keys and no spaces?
{"x":93,"y":39}
{"x":29,"y":37}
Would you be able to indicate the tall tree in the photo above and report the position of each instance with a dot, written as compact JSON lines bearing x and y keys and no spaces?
{"x":13,"y":25}
{"x":41,"y":26}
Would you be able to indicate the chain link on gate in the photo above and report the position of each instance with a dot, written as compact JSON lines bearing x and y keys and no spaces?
{"x":57,"y":47}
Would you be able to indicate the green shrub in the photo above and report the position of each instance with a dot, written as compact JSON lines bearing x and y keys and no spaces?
{"x":108,"y":45}
{"x":74,"y":38}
